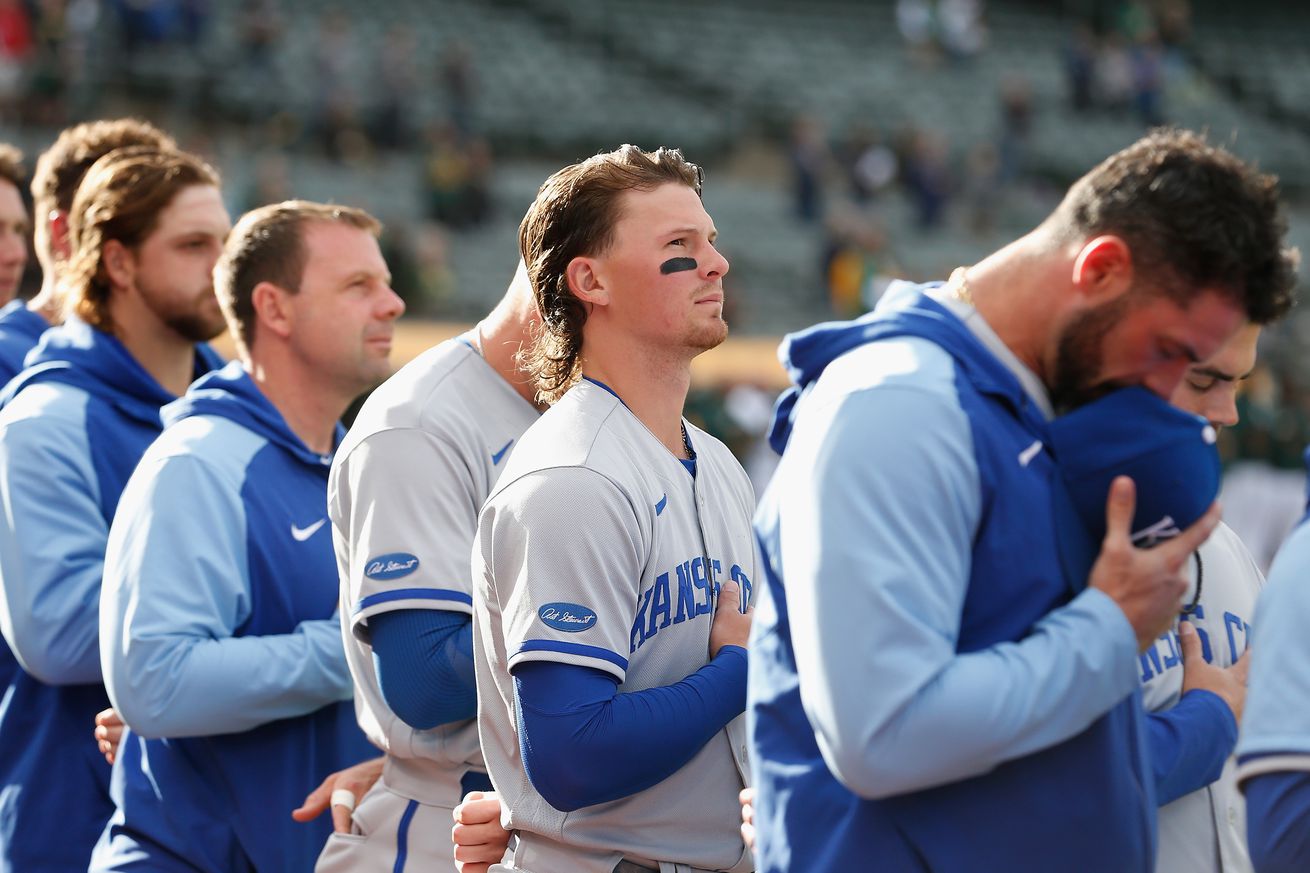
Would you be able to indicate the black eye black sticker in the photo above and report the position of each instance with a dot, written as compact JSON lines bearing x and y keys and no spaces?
{"x":678,"y":265}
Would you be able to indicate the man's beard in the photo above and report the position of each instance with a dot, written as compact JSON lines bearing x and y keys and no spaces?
{"x":195,"y":326}
{"x":1080,"y":352}
{"x":189,"y":319}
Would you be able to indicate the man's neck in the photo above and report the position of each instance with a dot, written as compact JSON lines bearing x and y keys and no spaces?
{"x":652,"y":385}
{"x":500,"y":335}
{"x":48,"y":302}
{"x":168,"y":357}
{"x":1016,"y":291}
{"x":308,"y":402}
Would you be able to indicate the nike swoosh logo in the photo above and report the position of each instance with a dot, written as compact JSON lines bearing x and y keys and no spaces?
{"x":659,"y":507}
{"x":300,"y":534}
{"x":1027,"y":455}
{"x":496,"y":456}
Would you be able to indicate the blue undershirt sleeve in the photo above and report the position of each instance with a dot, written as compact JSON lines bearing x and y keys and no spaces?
{"x":1190,"y":743}
{"x":584,"y":743}
{"x":424,"y":663}
{"x":1278,"y":821}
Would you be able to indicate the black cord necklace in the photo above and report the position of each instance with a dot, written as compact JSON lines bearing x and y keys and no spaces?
{"x":1200,"y":578}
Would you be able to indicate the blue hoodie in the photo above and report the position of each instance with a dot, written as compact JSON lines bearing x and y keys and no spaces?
{"x":221,"y":640}
{"x":73,"y":426}
{"x":925,"y":683}
{"x":20,"y":330}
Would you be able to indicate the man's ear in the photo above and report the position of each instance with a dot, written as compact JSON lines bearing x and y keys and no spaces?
{"x":1103,"y":269}
{"x":58,"y":227}
{"x":586,"y":283}
{"x":274,"y":309}
{"x":119,"y":263}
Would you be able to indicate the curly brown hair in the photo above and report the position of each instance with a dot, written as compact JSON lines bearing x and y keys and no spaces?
{"x":60,"y":168}
{"x":11,"y":166}
{"x":574,"y":215}
{"x":1194,"y":217}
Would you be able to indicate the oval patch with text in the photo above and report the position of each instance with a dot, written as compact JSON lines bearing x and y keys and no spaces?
{"x":391,"y":566}
{"x":567,"y":617}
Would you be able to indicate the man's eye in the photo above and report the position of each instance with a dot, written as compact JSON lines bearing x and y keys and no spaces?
{"x":1201,"y":386}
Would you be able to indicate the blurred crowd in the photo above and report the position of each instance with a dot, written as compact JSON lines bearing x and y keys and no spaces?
{"x":62,"y":60}
{"x":863,"y":191}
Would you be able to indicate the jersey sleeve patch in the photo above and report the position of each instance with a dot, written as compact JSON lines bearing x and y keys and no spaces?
{"x":392,"y":565}
{"x":570,"y":618}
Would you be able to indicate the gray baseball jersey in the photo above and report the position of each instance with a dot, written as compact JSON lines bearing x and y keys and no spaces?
{"x":404,"y":494}
{"x":1205,"y":831}
{"x":598,"y":548}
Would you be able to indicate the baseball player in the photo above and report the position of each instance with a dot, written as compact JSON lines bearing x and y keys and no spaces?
{"x":58,"y":170}
{"x":14,"y":228}
{"x":145,"y":230}
{"x":1274,"y":751}
{"x":220,"y":642}
{"x":613,"y":563}
{"x":1203,"y":829}
{"x":406,"y":487}
{"x":919,"y":553}
{"x":14,"y":223}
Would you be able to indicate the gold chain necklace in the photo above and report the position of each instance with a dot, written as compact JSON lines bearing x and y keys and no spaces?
{"x":958,"y":286}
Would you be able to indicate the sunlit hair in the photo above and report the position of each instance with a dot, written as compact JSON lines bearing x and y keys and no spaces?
{"x":1195,"y":217}
{"x":574,"y":215}
{"x":11,"y":166}
{"x":268,"y":245}
{"x":61,"y":167}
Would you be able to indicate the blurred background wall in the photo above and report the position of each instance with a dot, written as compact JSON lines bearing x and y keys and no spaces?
{"x":846,"y":142}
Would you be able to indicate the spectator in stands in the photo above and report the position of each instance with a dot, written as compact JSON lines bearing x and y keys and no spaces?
{"x":928,"y":177}
{"x":458,"y":177}
{"x":259,"y":29}
{"x":335,"y":67}
{"x":1114,"y":73}
{"x":809,"y":157}
{"x":436,"y":280}
{"x":961,"y":30}
{"x":144,"y":22}
{"x":15,"y":48}
{"x":984,"y":189}
{"x":1016,"y":124}
{"x":397,"y":83}
{"x":1080,"y":66}
{"x":870,"y":165}
{"x":460,"y":86}
{"x":1148,"y":79}
{"x":914,"y":20}
{"x":858,"y":263}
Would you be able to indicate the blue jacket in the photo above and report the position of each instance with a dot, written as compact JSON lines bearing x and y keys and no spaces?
{"x":73,"y":425}
{"x":221,"y":640}
{"x":20,"y":329}
{"x":927,"y":690}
